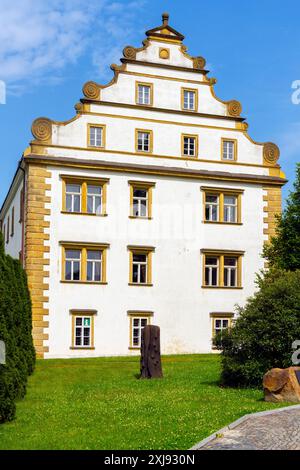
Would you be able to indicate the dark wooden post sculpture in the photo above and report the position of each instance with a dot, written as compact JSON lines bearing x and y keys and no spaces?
{"x":150,"y":353}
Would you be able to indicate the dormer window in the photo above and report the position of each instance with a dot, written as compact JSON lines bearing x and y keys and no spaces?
{"x":189,"y":99}
{"x":229,"y":149}
{"x":144,"y":141}
{"x":189,"y":145}
{"x":96,"y":135}
{"x":144,"y":94}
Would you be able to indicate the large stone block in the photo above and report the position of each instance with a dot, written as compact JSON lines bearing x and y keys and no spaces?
{"x":282,"y":385}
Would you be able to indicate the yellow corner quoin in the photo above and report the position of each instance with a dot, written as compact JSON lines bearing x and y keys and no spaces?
{"x":35,"y":250}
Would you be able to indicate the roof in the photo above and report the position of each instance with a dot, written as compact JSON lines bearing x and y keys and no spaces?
{"x":165,"y":30}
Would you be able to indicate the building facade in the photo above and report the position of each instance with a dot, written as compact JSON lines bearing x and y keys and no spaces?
{"x":151,"y":205}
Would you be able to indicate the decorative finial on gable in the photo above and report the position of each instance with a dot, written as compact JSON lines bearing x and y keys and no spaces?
{"x":165,"y":18}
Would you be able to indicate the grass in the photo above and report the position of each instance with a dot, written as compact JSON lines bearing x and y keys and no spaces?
{"x":100,"y":404}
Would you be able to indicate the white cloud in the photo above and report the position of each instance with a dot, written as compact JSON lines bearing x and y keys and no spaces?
{"x":39,"y":39}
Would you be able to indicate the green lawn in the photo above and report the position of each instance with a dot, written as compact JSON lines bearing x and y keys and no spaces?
{"x":100,"y":404}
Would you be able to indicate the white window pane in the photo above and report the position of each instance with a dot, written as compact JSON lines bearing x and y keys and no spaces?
{"x":230,"y":200}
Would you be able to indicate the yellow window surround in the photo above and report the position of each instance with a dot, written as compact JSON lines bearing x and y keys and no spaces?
{"x":141,"y":250}
{"x":193,"y":90}
{"x":220,"y":316}
{"x":235,"y":149}
{"x":221,"y":193}
{"x":146,"y":131}
{"x":84,"y":182}
{"x":220,"y":255}
{"x":103,"y":140}
{"x":146,"y":84}
{"x":137,"y":314}
{"x":193,"y":136}
{"x":83,"y":314}
{"x":144,"y":185}
{"x":84,"y":248}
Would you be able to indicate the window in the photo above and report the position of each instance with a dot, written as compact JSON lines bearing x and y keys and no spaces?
{"x":230,"y":271}
{"x":144,"y":141}
{"x":221,"y":322}
{"x":189,"y":99}
{"x":4,"y":232}
{"x":230,"y":208}
{"x":222,"y":205}
{"x":83,"y":329}
{"x":21,"y":205}
{"x":212,"y":207}
{"x":144,"y":94}
{"x":189,"y":146}
{"x":73,"y":197}
{"x":141,"y":199}
{"x":84,"y":263}
{"x":94,"y":265}
{"x":94,"y":199}
{"x":222,"y":269}
{"x":140,"y":269}
{"x":7,"y":230}
{"x":12,"y":222}
{"x":84,"y":196}
{"x":229,"y":149}
{"x":211,"y":271}
{"x":138,"y":321}
{"x":96,"y":135}
{"x":72,"y":265}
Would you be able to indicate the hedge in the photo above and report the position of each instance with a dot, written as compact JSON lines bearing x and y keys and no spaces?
{"x":16,"y":332}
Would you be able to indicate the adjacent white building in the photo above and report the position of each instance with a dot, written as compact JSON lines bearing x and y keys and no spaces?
{"x":151,"y":205}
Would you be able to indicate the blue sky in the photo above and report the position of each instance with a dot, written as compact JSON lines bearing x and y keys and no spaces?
{"x":48,"y":50}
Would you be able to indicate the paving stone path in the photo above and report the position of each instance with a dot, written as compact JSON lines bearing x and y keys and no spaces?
{"x":275,"y":430}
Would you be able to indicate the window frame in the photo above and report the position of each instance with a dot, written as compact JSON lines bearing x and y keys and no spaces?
{"x":103,"y":143}
{"x":12,"y":225}
{"x":235,"y":149}
{"x":21,"y":203}
{"x":221,"y":193}
{"x":84,"y":182}
{"x":195,"y":91}
{"x":83,"y":314}
{"x":221,"y":255}
{"x":145,"y":84}
{"x":140,"y":250}
{"x":84,"y":248}
{"x":137,"y":315}
{"x":189,"y":136}
{"x":7,"y":230}
{"x":143,"y":185}
{"x":144,"y":152}
{"x":220,"y":316}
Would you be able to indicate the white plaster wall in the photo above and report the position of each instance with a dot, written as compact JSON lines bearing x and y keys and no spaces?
{"x":177,"y":58}
{"x":120,"y":137}
{"x":14,"y":246}
{"x":166,"y":93}
{"x":181,"y":307}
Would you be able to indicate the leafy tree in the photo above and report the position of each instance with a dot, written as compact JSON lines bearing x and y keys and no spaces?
{"x":264,"y":332}
{"x":283,"y":252}
{"x":15,"y":331}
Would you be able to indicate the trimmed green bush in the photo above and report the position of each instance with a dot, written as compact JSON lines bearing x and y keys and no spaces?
{"x":15,"y":331}
{"x":264,"y":332}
